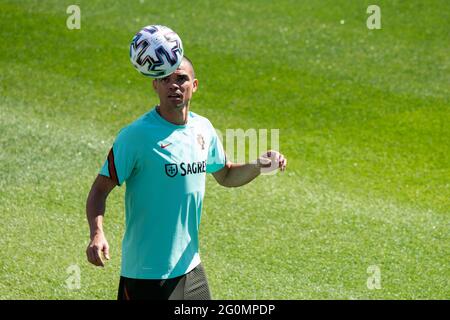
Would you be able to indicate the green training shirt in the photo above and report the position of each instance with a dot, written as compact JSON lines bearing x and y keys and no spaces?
{"x":164,"y":167}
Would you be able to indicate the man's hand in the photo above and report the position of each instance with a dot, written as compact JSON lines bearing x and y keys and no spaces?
{"x":97,"y":248}
{"x":238,"y":174}
{"x":271,"y":160}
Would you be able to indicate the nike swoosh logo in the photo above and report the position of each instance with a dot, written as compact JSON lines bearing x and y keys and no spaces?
{"x":165,"y":146}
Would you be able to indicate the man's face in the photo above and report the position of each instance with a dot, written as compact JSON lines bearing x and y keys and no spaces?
{"x":176,"y":89}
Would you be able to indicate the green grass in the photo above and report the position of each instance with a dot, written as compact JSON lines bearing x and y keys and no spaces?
{"x":363,"y":117}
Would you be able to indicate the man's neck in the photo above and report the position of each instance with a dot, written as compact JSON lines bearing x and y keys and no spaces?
{"x":178,"y":115}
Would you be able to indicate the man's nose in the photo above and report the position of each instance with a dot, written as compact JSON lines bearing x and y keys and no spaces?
{"x":173,"y":85}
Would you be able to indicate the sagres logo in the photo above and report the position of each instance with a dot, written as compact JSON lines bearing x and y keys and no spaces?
{"x":171,"y":169}
{"x":185,"y":168}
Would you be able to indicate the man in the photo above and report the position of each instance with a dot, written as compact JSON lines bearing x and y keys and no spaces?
{"x":164,"y":157}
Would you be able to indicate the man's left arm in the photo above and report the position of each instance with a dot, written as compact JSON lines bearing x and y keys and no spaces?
{"x":238,"y":174}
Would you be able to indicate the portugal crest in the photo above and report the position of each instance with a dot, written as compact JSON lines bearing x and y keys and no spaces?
{"x":171,"y":169}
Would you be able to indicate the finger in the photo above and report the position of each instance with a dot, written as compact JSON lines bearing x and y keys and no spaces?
{"x":265,"y":163}
{"x":106,"y":252}
{"x":285,"y":164}
{"x":88,"y":255}
{"x":98,"y":257}
{"x":95,"y":256}
{"x":91,"y":256}
{"x":272,"y":154}
{"x":280,"y":161}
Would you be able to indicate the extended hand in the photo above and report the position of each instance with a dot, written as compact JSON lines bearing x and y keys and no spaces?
{"x":271,"y":160}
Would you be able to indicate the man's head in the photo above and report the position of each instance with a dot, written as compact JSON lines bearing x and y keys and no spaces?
{"x":175,"y":90}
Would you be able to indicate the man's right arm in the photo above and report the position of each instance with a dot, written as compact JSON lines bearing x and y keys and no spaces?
{"x":95,"y":210}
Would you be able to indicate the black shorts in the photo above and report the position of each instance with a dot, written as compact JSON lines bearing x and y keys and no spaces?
{"x":191,"y":286}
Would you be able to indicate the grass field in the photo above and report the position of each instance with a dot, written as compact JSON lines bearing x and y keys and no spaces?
{"x":363,"y":116}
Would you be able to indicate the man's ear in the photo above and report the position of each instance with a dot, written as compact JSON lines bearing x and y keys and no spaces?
{"x":194,"y":85}
{"x":154,"y":84}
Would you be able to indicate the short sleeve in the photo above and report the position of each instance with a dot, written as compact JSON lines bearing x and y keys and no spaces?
{"x":121,"y":158}
{"x":216,"y":155}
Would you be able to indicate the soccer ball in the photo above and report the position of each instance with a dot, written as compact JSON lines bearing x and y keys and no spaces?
{"x":156,"y":51}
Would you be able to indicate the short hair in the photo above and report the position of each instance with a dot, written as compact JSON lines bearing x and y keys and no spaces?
{"x":185,"y":58}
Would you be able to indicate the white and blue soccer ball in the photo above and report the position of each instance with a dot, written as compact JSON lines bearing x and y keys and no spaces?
{"x":156,"y":51}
